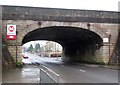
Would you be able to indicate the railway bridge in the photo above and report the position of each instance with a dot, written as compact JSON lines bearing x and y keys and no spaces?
{"x":85,"y":35}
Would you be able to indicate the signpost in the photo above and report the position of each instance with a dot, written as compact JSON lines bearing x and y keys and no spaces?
{"x":11,"y":32}
{"x":11,"y":35}
{"x":105,"y":40}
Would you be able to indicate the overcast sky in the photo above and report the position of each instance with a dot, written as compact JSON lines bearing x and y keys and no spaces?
{"x":41,"y":42}
{"x":107,"y":5}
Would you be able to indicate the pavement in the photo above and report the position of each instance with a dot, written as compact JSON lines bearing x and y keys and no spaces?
{"x":80,"y":73}
{"x":111,"y":67}
{"x":68,"y":74}
{"x":21,"y":75}
{"x":115,"y":67}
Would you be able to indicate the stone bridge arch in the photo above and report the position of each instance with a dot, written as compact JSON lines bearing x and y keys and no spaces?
{"x":103,"y":23}
{"x":30,"y":25}
{"x":26,"y":26}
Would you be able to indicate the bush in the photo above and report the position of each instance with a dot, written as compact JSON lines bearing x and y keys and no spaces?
{"x":18,"y":64}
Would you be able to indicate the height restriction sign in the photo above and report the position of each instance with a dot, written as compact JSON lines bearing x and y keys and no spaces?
{"x":11,"y":32}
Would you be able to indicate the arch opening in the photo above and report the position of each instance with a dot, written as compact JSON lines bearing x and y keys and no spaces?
{"x":76,"y":42}
{"x":36,"y":52}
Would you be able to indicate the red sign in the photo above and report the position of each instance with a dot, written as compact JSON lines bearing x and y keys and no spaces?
{"x":11,"y":28}
{"x":11,"y":37}
{"x":11,"y":32}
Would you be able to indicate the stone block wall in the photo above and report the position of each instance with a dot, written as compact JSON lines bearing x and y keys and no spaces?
{"x":26,"y":26}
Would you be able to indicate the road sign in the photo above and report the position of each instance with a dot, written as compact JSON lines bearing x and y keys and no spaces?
{"x":106,"y":40}
{"x":11,"y":32}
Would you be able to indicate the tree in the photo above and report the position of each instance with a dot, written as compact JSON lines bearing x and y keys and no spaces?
{"x":30,"y":49}
{"x":24,"y":49}
{"x":37,"y":48}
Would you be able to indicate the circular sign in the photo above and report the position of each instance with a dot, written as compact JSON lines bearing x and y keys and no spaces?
{"x":11,"y":28}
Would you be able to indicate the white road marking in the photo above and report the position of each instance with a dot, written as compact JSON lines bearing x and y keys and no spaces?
{"x":82,"y":70}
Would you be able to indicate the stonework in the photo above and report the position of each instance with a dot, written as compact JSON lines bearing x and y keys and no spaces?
{"x":105,"y":24}
{"x":26,"y":26}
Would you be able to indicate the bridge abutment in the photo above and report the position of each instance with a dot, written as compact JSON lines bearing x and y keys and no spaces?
{"x":16,"y":53}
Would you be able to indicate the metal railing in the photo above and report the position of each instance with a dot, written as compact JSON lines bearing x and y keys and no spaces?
{"x":47,"y":75}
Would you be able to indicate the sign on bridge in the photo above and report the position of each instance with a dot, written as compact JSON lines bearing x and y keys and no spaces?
{"x":11,"y":32}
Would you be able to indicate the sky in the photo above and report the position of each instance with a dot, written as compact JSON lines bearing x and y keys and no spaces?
{"x":41,"y":42}
{"x":106,"y":5}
